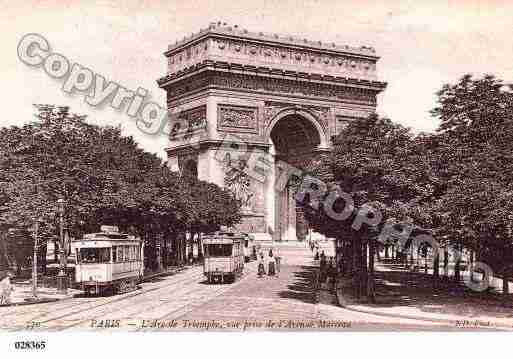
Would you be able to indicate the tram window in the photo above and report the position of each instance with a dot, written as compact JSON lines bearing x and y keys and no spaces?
{"x":94,"y":255}
{"x":219,"y":250}
{"x":120,"y":254}
{"x":126,"y":254}
{"x":114,"y":254}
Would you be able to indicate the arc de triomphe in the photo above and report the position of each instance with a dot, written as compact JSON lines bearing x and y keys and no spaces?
{"x":280,"y":99}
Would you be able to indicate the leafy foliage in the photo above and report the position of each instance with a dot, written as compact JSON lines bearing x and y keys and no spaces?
{"x":456,"y":183}
{"x":103,"y":177}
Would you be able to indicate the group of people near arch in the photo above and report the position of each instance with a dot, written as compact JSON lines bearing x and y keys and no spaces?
{"x":269,"y":264}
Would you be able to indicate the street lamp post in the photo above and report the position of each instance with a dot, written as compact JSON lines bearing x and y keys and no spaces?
{"x":62,"y":279}
{"x":34,"y":261}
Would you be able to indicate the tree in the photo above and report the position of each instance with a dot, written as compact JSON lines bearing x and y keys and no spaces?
{"x":104,"y":178}
{"x":475,"y":160}
{"x":370,"y":162}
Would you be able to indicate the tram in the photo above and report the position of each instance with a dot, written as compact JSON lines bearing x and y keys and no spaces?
{"x":108,"y":261}
{"x":223,"y":256}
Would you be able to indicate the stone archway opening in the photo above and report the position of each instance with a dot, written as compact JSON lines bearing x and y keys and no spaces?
{"x":294,"y":140}
{"x":293,"y":137}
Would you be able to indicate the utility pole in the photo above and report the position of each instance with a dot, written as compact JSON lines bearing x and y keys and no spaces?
{"x":62,"y":279}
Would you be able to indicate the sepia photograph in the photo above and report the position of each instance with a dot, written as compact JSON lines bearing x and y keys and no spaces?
{"x":254,"y":169}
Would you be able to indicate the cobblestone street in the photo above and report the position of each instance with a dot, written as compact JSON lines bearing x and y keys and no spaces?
{"x":288,"y":296}
{"x":185,"y":296}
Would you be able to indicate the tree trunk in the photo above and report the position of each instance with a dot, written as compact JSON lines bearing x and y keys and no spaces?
{"x":179,"y":252}
{"x":346,"y":258}
{"x":471,"y":265}
{"x":5,"y":256}
{"x":364,"y":266}
{"x":505,"y":283}
{"x":165,"y":251}
{"x":436,"y":265}
{"x":412,"y":257}
{"x":457,"y":266}
{"x":42,"y":255}
{"x":355,"y":270}
{"x":370,"y":279}
{"x":184,"y":249}
{"x":457,"y":275}
{"x":446,"y":262}
{"x":200,"y":248}
{"x":190,"y":255}
{"x":386,"y":251}
{"x":55,"y":251}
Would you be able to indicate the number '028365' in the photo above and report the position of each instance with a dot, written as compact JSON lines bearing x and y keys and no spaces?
{"x":30,"y":345}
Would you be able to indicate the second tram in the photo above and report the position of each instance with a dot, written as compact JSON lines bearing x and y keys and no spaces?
{"x":223,"y":256}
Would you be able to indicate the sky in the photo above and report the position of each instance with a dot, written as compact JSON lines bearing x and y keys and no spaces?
{"x":423,"y":44}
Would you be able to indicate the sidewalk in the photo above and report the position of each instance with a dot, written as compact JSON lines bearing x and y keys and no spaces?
{"x":22,"y":294}
{"x":411,"y":295}
{"x":168,"y":271}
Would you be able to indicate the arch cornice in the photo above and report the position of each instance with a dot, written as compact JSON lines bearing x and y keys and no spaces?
{"x":306,"y":114}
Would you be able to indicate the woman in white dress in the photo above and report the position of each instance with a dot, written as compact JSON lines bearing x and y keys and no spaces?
{"x":271,"y":263}
{"x":6,"y":288}
{"x":261,"y":266}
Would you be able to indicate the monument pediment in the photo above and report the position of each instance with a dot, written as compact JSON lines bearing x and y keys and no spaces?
{"x":230,"y":47}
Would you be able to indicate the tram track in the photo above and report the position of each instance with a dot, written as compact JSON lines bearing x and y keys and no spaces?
{"x":180,"y":312}
{"x":126,"y":297}
{"x":184,"y":294}
{"x":78,"y":306}
{"x":101,"y":315}
{"x":79,"y":303}
{"x":15,"y":313}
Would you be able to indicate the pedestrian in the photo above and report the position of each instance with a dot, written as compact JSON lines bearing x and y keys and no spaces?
{"x":316,"y":256}
{"x":271,"y":265}
{"x":323,"y":261}
{"x":261,"y":266}
{"x":6,"y":288}
{"x":277,"y":258}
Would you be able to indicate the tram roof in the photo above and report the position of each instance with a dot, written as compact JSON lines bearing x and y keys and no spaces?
{"x":223,"y":237}
{"x":109,"y":236}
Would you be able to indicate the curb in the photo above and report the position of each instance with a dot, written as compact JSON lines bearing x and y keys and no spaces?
{"x":173,"y":271}
{"x":41,"y":301}
{"x":413,"y":317}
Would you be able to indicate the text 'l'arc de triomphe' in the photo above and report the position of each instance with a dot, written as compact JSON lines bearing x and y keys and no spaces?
{"x":281,"y":97}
